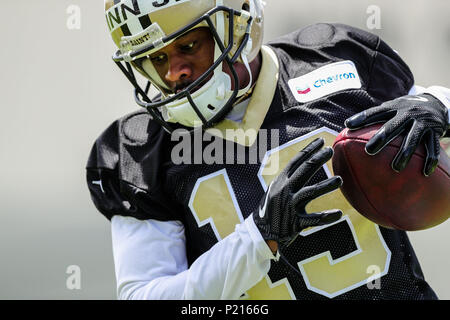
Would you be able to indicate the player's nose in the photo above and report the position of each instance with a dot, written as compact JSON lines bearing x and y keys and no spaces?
{"x":179,"y":69}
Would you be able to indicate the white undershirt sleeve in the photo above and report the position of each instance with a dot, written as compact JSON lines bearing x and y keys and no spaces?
{"x":441,"y":93}
{"x":150,"y":261}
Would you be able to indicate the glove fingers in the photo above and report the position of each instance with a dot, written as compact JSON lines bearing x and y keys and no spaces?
{"x":318,"y":219}
{"x":303,"y":155}
{"x":309,"y":193}
{"x":433,"y":149}
{"x":388,"y":132}
{"x":369,"y":117}
{"x":409,"y":145}
{"x":309,"y":167}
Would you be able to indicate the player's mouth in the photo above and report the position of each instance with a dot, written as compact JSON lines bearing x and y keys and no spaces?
{"x":182,"y":86}
{"x":179,"y":89}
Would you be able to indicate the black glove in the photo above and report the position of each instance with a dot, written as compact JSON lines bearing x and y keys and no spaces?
{"x":281,"y":215}
{"x":420,"y":118}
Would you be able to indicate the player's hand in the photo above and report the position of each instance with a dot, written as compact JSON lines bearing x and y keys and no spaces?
{"x":281,"y":214}
{"x":420,"y":118}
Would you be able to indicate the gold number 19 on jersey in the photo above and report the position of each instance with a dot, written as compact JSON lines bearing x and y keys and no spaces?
{"x":213,"y":201}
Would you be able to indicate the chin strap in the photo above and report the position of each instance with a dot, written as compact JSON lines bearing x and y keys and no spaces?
{"x":220,"y":27}
{"x":244,"y":54}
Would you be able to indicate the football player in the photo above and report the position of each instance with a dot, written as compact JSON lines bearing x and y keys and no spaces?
{"x":232,"y":229}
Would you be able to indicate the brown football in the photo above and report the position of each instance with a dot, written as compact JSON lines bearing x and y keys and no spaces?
{"x":405,"y":200}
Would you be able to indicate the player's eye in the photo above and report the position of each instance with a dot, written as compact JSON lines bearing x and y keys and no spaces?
{"x":188,"y":47}
{"x":159,"y":59}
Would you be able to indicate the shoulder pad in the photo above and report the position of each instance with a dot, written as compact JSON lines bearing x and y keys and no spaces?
{"x":124,"y":169}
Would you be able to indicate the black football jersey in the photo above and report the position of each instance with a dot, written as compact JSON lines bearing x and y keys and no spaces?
{"x":325,"y":74}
